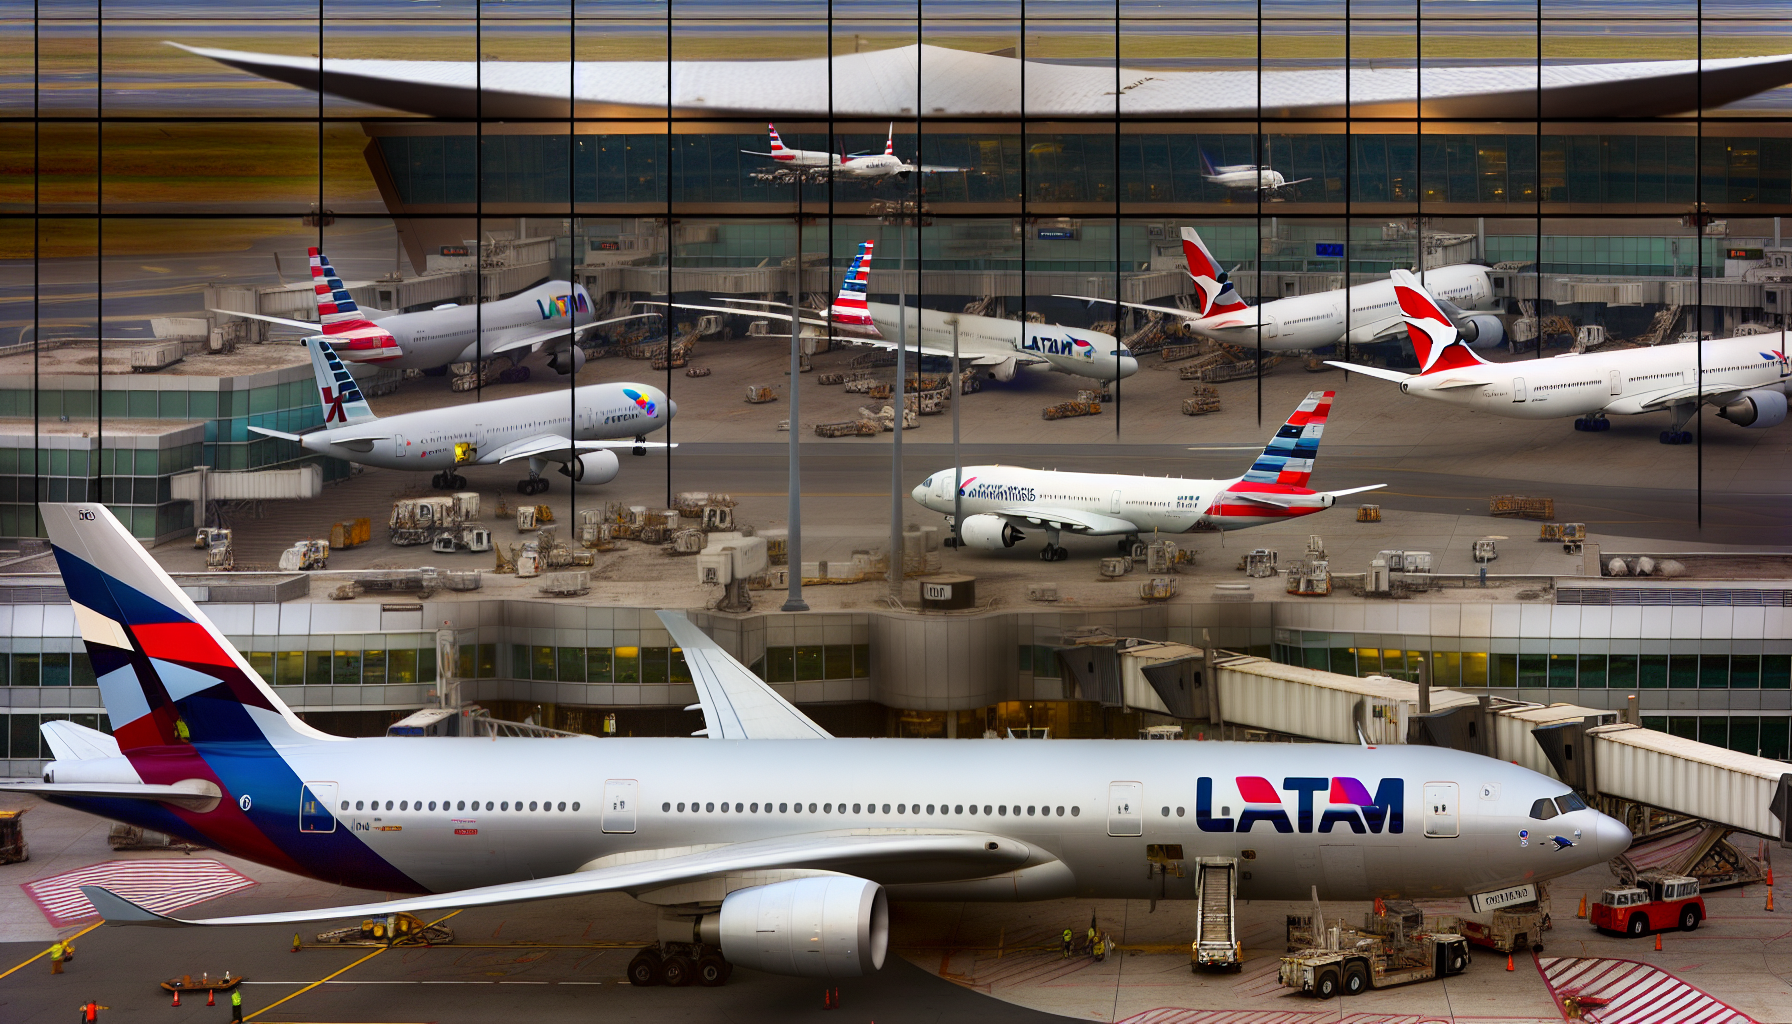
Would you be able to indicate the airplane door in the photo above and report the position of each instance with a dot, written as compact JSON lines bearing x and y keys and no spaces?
{"x":619,"y":805}
{"x":1617,"y":382}
{"x":584,"y":419}
{"x":1441,"y":820}
{"x":1114,"y":502}
{"x":398,"y":446}
{"x":1518,"y":389}
{"x":315,"y":800}
{"x":1126,"y":810}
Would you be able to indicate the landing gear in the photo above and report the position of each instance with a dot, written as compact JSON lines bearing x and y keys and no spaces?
{"x":513,"y":375}
{"x":645,"y":968}
{"x":448,"y":481}
{"x":640,"y":448}
{"x":678,"y":971}
{"x":1053,"y":553}
{"x":684,"y":963}
{"x":1593,"y":423}
{"x":713,"y":971}
{"x":1125,"y":545}
{"x":1677,"y":432}
{"x":533,"y":485}
{"x":1676,"y":437}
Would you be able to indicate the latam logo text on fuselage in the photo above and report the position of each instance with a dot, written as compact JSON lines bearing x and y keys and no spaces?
{"x":561,"y":305}
{"x":1059,"y":347}
{"x":1340,"y":801}
{"x":1000,"y":492}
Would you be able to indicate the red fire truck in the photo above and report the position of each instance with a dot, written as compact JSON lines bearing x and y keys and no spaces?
{"x":1655,"y":903}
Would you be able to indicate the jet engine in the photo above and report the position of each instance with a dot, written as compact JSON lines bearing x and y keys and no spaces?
{"x":1759,"y":409}
{"x":1481,"y":330}
{"x":599,"y":467}
{"x":989,"y":533}
{"x":567,"y":360}
{"x":828,"y":927}
{"x":1003,"y":371}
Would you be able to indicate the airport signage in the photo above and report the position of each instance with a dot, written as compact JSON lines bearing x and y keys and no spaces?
{"x":1745,"y":254}
{"x":1334,"y":250}
{"x":1486,"y":902}
{"x":454,"y":250}
{"x":607,"y":246}
{"x":1057,"y":234}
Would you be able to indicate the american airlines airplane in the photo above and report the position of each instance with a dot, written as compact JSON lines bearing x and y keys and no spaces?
{"x":1305,"y":322}
{"x":994,"y":344}
{"x":543,"y":321}
{"x":1746,"y":378}
{"x":769,"y":845}
{"x":1246,"y":177}
{"x":999,"y":502}
{"x":574,"y":431}
{"x":855,"y":165}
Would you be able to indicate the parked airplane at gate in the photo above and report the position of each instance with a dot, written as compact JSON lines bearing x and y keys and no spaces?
{"x":994,"y":344}
{"x":854,"y":165}
{"x":1246,"y":177}
{"x":1305,"y":322}
{"x":573,"y":430}
{"x":1746,"y":378}
{"x":761,"y":844}
{"x":541,"y":324}
{"x":998,"y":502}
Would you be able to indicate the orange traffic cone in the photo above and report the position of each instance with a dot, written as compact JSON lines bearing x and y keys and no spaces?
{"x":211,"y":997}
{"x":1583,"y":907}
{"x":1657,"y":942}
{"x":177,"y":997}
{"x":1770,"y":901}
{"x":1509,"y":966}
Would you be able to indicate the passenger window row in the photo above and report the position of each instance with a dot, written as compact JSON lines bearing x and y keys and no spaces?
{"x":452,"y":805}
{"x":1001,"y":810}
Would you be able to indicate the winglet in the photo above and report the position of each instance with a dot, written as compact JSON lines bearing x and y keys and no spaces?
{"x":737,"y":705}
{"x":119,"y":911}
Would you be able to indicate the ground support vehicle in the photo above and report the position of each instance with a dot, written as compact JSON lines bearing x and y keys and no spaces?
{"x":1390,"y":950}
{"x":306,"y":555}
{"x":1216,"y":944}
{"x":1655,"y":903}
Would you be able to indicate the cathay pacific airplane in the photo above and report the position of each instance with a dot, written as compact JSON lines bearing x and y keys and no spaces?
{"x":770,"y":845}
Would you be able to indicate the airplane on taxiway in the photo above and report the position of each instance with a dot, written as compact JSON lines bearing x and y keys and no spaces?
{"x":1746,"y":377}
{"x":848,"y":165}
{"x":579,"y":430}
{"x":769,"y":845}
{"x":999,"y":502}
{"x":996,"y":345}
{"x":1358,"y":315}
{"x":538,"y":325}
{"x":1246,"y":177}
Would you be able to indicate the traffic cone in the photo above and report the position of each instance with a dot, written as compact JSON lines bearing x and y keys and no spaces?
{"x":295,"y":942}
{"x":177,"y":997}
{"x":1509,"y":966}
{"x":1583,"y":907}
{"x":1770,"y":901}
{"x":211,"y":997}
{"x":1657,"y":942}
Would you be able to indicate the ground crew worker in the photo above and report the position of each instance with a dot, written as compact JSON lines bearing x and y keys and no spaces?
{"x":90,"y":1011}
{"x":236,"y":1004}
{"x":56,"y":952}
{"x":1089,"y":942}
{"x":1067,"y":941}
{"x":1100,"y":950}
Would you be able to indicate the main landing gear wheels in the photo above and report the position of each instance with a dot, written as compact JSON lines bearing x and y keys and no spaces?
{"x":678,"y":971}
{"x":513,"y":375}
{"x":1677,"y":432}
{"x":640,"y":446}
{"x":1053,"y":553}
{"x":645,"y":968}
{"x":690,"y":963}
{"x":533,"y":485}
{"x":1676,"y":437}
{"x":448,"y":481}
{"x":713,"y":971}
{"x":1594,"y":423}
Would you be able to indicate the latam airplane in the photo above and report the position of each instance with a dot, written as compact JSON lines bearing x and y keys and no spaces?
{"x":855,"y":165}
{"x":541,"y":324}
{"x":1246,"y":177}
{"x":576,"y":431}
{"x":1305,"y":322}
{"x":1746,"y":378}
{"x":771,"y":845}
{"x":994,"y":344}
{"x":998,"y":502}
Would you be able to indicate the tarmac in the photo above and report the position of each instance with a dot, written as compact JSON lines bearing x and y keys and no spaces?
{"x":998,"y":963}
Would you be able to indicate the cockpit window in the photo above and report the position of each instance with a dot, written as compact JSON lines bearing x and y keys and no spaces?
{"x":1544,"y":809}
{"x":1570,"y":802}
{"x":1122,"y":352}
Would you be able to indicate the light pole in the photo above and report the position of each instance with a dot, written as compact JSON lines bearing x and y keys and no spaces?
{"x":793,"y":544}
{"x":901,"y":390}
{"x":957,"y":460}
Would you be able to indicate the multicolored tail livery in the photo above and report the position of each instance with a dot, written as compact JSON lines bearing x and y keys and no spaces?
{"x":342,"y":320}
{"x":850,"y":309}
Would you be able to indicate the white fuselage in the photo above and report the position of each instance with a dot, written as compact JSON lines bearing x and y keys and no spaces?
{"x":1423,"y":821}
{"x":1247,"y":176}
{"x":427,"y":440}
{"x":437,"y":337}
{"x":871,"y":165}
{"x":1070,"y":350}
{"x":1358,"y":315}
{"x":1624,"y":383}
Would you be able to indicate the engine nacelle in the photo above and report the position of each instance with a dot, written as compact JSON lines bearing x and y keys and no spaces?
{"x":989,"y":533}
{"x":1757,"y":409}
{"x":1003,"y":371}
{"x":830,"y":927}
{"x":567,"y":360}
{"x":1482,"y":330}
{"x":599,"y":467}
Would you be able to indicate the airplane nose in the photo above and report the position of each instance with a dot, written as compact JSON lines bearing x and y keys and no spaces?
{"x":1610,"y":837}
{"x":671,"y":408}
{"x":919,"y":494}
{"x":1128,"y":366}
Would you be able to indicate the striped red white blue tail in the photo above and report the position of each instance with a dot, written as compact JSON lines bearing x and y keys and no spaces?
{"x":1435,"y":339}
{"x":1288,"y":458}
{"x":890,"y":141}
{"x":850,"y":309}
{"x":778,"y":150}
{"x":1213,"y":291}
{"x":356,"y":336}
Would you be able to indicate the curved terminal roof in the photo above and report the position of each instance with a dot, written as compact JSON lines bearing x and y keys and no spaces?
{"x":961,"y":83}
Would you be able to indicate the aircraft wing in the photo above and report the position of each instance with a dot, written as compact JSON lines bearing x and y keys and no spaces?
{"x":737,"y":311}
{"x":930,"y":855}
{"x":1284,"y":184}
{"x":1072,"y":519}
{"x":543,"y":337}
{"x":1715,"y":392}
{"x":303,"y":325}
{"x":556,"y":448}
{"x":1172,"y":310}
{"x":737,"y":705}
{"x":966,"y":358}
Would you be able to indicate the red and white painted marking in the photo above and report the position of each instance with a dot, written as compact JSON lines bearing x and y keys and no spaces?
{"x":158,"y":885}
{"x":1637,"y":993}
{"x":1180,"y":1015}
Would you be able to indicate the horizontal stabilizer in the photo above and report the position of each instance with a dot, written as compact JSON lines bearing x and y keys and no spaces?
{"x":1374,"y":371}
{"x":1355,"y":490}
{"x":274,"y":433}
{"x":300,"y":325}
{"x":195,"y":794}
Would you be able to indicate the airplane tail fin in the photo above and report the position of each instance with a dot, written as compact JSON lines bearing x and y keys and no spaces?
{"x":167,"y":677}
{"x":850,"y":308}
{"x":1207,"y":165}
{"x":336,"y":388}
{"x":890,"y":141}
{"x":1216,"y":292}
{"x":1435,"y":340}
{"x":778,"y":149}
{"x":335,"y":309}
{"x":1288,"y":458}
